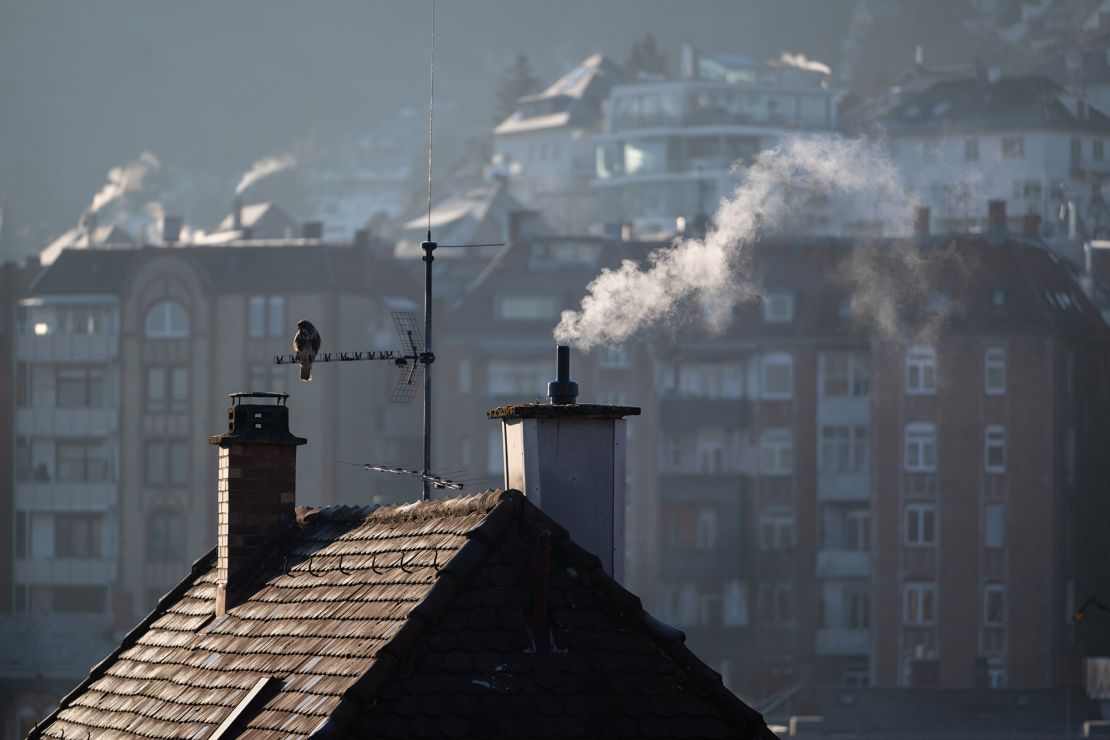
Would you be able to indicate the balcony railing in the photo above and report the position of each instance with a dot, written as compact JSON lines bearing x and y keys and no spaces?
{"x":694,"y":413}
{"x":66,"y":347}
{"x":843,"y":564}
{"x":839,"y":641}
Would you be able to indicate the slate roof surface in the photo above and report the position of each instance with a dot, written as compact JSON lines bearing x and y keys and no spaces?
{"x":409,"y":621}
{"x":971,"y":104}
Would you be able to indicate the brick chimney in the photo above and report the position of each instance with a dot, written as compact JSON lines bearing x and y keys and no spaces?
{"x":257,"y":484}
{"x":921,"y":221}
{"x":996,"y":216}
{"x":569,"y":459}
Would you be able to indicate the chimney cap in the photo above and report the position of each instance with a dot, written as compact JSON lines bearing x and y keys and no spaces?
{"x":562,"y":411}
{"x":258,"y":423}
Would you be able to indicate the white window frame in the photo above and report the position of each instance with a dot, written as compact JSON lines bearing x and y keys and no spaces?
{"x":920,"y":438}
{"x":778,"y":307}
{"x":164,"y":328}
{"x":778,"y":530}
{"x":921,"y":371}
{"x":777,"y":360}
{"x":919,"y":604}
{"x":994,"y":525}
{"x":705,"y":530}
{"x":989,"y":590}
{"x":920,"y":525}
{"x":994,"y":438}
{"x":776,"y":452}
{"x":994,"y":362}
{"x":857,"y":375}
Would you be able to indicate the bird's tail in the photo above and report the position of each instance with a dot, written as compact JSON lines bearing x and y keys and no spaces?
{"x":306,"y":372}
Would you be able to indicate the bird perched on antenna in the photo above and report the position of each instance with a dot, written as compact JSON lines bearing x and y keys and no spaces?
{"x":306,"y":343}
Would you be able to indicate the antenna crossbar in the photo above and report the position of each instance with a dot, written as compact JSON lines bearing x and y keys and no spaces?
{"x":436,"y":480}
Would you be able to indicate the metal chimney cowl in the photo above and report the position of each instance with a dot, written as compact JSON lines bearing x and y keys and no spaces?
{"x":257,"y":485}
{"x":569,"y":460}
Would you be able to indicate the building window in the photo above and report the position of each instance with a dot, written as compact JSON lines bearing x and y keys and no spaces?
{"x":527,"y":308}
{"x":613,"y":358}
{"x":919,"y":604}
{"x":524,"y":378}
{"x":266,"y":316}
{"x":166,"y":463}
{"x":994,"y":526}
{"x":994,"y":605}
{"x":776,"y":452}
{"x":776,"y":603}
{"x":971,"y":149}
{"x":1096,"y":150}
{"x":80,"y":387}
{"x":843,"y":449}
{"x":167,"y":320}
{"x":703,"y":380}
{"x":81,"y":461}
{"x":778,"y":377}
{"x":776,"y":530}
{"x":921,"y":371}
{"x":921,"y":525}
{"x":994,"y":371}
{"x":266,"y":376}
{"x":857,"y":609}
{"x":778,"y":307}
{"x":1013,"y":147}
{"x":77,"y":535}
{"x":857,"y":530}
{"x":165,"y":536}
{"x":167,"y":389}
{"x":706,"y":530}
{"x":1076,"y":152}
{"x":921,"y":447}
{"x":845,"y":374}
{"x":994,"y":449}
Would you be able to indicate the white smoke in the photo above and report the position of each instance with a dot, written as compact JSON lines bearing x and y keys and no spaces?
{"x":124,"y":179}
{"x":157,"y":215}
{"x":263,"y":168}
{"x":713,"y":274}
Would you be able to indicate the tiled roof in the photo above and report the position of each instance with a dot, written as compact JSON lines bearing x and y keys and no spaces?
{"x":410,"y":621}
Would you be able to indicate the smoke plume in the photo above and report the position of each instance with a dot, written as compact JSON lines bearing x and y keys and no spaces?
{"x":263,"y":168}
{"x":713,"y":274}
{"x":124,"y":179}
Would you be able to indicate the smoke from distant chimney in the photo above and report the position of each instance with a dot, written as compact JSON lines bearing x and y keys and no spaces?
{"x":125,"y":179}
{"x":263,"y":168}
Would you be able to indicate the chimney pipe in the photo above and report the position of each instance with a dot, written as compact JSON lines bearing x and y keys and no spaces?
{"x":1031,"y":225}
{"x":90,"y":221}
{"x":921,"y":221}
{"x":257,"y":486}
{"x":569,"y":459}
{"x":171,"y":229}
{"x":313,"y":230}
{"x":237,"y":213}
{"x":996,"y":216}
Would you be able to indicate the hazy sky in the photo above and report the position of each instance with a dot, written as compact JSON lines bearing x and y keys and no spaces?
{"x":212,"y":86}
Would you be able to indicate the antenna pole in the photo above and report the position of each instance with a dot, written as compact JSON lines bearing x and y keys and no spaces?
{"x":427,"y":358}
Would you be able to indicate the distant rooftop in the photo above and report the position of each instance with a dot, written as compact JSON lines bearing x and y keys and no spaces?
{"x":572,"y":100}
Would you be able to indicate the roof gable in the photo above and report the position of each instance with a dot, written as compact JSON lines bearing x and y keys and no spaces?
{"x":353,"y":603}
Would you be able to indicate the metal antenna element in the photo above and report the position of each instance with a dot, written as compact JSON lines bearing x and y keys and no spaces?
{"x":435,"y":480}
{"x":431,"y":101}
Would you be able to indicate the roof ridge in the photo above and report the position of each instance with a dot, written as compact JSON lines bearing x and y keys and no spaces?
{"x":438,"y":508}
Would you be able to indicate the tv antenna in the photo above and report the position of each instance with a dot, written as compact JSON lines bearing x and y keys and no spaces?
{"x":416,"y":357}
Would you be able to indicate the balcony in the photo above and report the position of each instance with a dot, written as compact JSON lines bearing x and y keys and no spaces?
{"x":718,"y":564}
{"x":79,"y":421}
{"x":54,"y":645}
{"x":843,"y":487}
{"x":66,"y":571}
{"x":838,"y":641}
{"x":696,"y":413}
{"x":843,"y":564}
{"x":66,"y":347}
{"x":719,"y":486}
{"x":60,"y":495}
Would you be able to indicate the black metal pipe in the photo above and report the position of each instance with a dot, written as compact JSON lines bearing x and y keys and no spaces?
{"x":429,"y":247}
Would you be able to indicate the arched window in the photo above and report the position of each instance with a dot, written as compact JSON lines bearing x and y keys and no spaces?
{"x":167,"y":320}
{"x":165,"y":536}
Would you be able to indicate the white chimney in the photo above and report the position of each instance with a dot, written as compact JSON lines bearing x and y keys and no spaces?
{"x":569,"y":460}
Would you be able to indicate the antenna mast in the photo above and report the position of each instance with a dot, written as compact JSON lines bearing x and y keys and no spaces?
{"x":429,"y":247}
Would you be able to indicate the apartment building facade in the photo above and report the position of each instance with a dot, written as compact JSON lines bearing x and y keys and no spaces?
{"x":115,"y":358}
{"x":790,"y":482}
